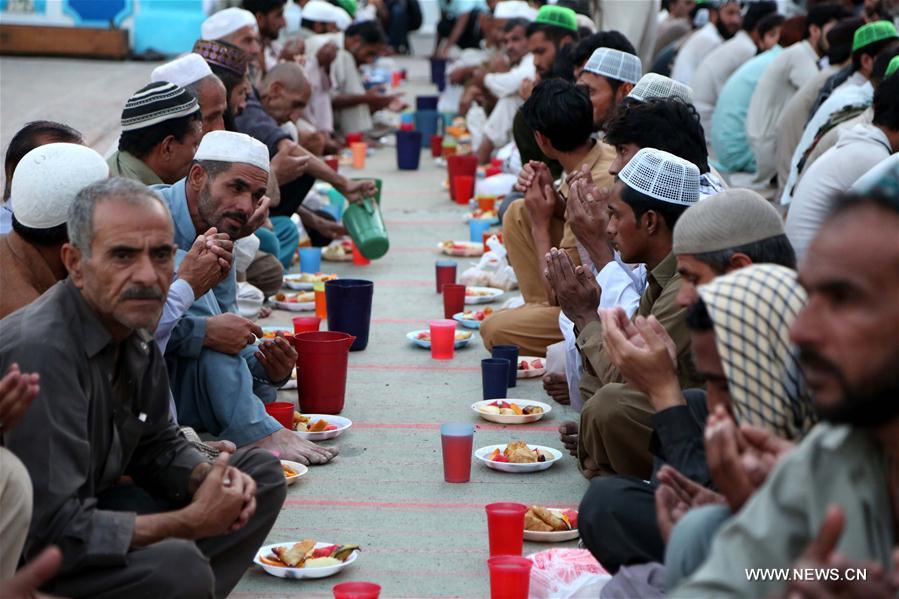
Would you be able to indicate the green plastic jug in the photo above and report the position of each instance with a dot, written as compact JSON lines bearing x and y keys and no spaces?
{"x":366,"y":227}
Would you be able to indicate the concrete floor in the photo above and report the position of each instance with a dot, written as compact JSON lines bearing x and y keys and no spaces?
{"x":421,"y":537}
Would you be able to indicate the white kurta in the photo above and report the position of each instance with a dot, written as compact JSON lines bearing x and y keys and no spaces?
{"x":498,"y":128}
{"x":699,"y":45}
{"x":345,"y":79}
{"x":714,"y":71}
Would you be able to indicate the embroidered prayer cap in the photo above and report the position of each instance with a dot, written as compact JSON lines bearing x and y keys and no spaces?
{"x":225,"y":22}
{"x":662,"y":176}
{"x":222,"y":54}
{"x":729,"y":219}
{"x":653,"y":85}
{"x":182,"y":71}
{"x":48,"y":178}
{"x":156,"y":103}
{"x":514,"y":9}
{"x":319,"y":12}
{"x":872,"y":33}
{"x":751,"y":310}
{"x":614,"y":64}
{"x":348,"y":5}
{"x":892,"y":67}
{"x":231,"y":147}
{"x":560,"y":16}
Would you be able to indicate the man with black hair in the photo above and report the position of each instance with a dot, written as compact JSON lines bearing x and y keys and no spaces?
{"x":161,"y":129}
{"x":603,"y":39}
{"x":460,"y":26}
{"x":270,"y":20}
{"x":714,"y":70}
{"x":859,"y":148}
{"x":724,"y":22}
{"x":677,"y":23}
{"x":789,"y":71}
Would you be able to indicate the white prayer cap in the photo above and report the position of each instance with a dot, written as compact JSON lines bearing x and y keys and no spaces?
{"x":662,"y":176}
{"x":319,"y":12}
{"x":514,"y":9}
{"x":182,"y":71}
{"x":225,"y":22}
{"x":653,"y":85}
{"x":229,"y":146}
{"x":342,"y":18}
{"x":585,"y":22}
{"x":614,"y":64}
{"x":48,"y":178}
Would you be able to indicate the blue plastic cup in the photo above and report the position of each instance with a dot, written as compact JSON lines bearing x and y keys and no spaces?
{"x":510,"y":353}
{"x":438,"y":72}
{"x":310,"y":260}
{"x":349,"y":308}
{"x":476,"y":228}
{"x":408,"y":150}
{"x":426,"y":123}
{"x":495,"y":377}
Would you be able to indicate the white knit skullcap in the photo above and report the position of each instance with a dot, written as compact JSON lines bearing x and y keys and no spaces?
{"x":662,"y":176}
{"x":182,"y":71}
{"x":729,"y":219}
{"x":229,"y":146}
{"x":225,"y":22}
{"x":319,"y":11}
{"x":614,"y":64}
{"x":653,"y":85}
{"x":514,"y":9}
{"x":48,"y":178}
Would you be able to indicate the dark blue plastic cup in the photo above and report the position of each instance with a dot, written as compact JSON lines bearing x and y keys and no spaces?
{"x":426,"y":102}
{"x":408,"y":150}
{"x":495,"y":377}
{"x":510,"y":353}
{"x":426,"y":123}
{"x":349,"y":308}
{"x":438,"y":72}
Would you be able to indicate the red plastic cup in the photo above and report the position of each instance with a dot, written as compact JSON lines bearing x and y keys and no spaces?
{"x":456,"y":439}
{"x":463,"y":188}
{"x":333,"y":162}
{"x":492,"y":170}
{"x":486,"y":203}
{"x":436,"y":145}
{"x":354,"y":137}
{"x":505,"y":528}
{"x":282,"y":411}
{"x":443,"y":339}
{"x":356,"y":590}
{"x":395,"y":78}
{"x":446,"y":273}
{"x":510,"y":577}
{"x":448,"y":151}
{"x":453,"y":300}
{"x":358,"y":258}
{"x":306,"y":324}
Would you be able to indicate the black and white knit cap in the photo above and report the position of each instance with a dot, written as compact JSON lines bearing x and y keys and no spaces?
{"x":157,"y":103}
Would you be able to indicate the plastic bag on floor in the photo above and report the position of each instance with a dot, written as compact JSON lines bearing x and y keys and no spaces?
{"x":566,"y":574}
{"x":249,"y":300}
{"x":493,"y":270}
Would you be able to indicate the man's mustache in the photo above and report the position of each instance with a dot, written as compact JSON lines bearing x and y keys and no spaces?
{"x":243,"y":218}
{"x":809,"y":357}
{"x":141,"y":293}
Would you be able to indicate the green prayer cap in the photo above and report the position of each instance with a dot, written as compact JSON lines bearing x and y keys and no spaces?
{"x":873,"y":32}
{"x":560,"y":16}
{"x":892,"y":67}
{"x":348,"y":5}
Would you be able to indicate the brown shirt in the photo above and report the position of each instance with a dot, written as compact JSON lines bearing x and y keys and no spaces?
{"x":24,"y":273}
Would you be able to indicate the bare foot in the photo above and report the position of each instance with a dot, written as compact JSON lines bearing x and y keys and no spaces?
{"x":588,"y":474}
{"x":226,"y":446}
{"x":290,"y":447}
{"x":556,"y":386}
{"x":568,"y":432}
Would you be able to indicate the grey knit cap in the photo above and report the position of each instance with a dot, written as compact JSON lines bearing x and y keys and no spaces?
{"x":726,"y":220}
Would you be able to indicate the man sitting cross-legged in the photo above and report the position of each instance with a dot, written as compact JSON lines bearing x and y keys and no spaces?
{"x":219,"y":378}
{"x":187,"y":528}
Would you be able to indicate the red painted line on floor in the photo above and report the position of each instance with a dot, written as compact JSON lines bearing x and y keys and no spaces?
{"x":391,"y":505}
{"x":397,"y":320}
{"x":415,"y":367}
{"x":404,"y":283}
{"x":431,"y":426}
{"x":447,"y":222}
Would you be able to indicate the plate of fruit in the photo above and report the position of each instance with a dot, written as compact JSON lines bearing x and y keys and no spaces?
{"x":471,"y":319}
{"x":482,"y":295}
{"x":292,"y":471}
{"x":461,"y":248}
{"x":339,"y":250}
{"x":478,"y":214}
{"x":422,"y":338}
{"x":305,"y":280}
{"x":511,"y":411}
{"x":518,"y":457}
{"x":319,"y":427}
{"x":303,"y":301}
{"x":269,"y":333}
{"x":550,"y":525}
{"x":306,"y":559}
{"x":530,"y":367}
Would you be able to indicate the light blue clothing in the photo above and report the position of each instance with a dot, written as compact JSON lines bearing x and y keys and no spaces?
{"x":221,"y":394}
{"x":288,"y":239}
{"x":268,"y":241}
{"x":729,"y":142}
{"x":690,"y":541}
{"x":460,"y":7}
{"x":178,"y":301}
{"x":5,"y":218}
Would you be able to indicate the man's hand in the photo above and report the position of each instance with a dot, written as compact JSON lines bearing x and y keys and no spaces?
{"x":576,"y":289}
{"x":377,"y":100}
{"x":356,"y":191}
{"x":725,"y":447}
{"x":259,"y":216}
{"x":278,"y":358}
{"x":556,"y":386}
{"x":17,"y":392}
{"x":207,"y":262}
{"x":526,"y":88}
{"x":540,"y":203}
{"x":25,"y":583}
{"x":230,"y":333}
{"x":329,"y":228}
{"x":289,"y":163}
{"x":764,"y":450}
{"x":645,"y":354}
{"x":326,"y":55}
{"x":586,"y":212}
{"x":224,"y":502}
{"x":677,"y":495}
{"x":531,"y":173}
